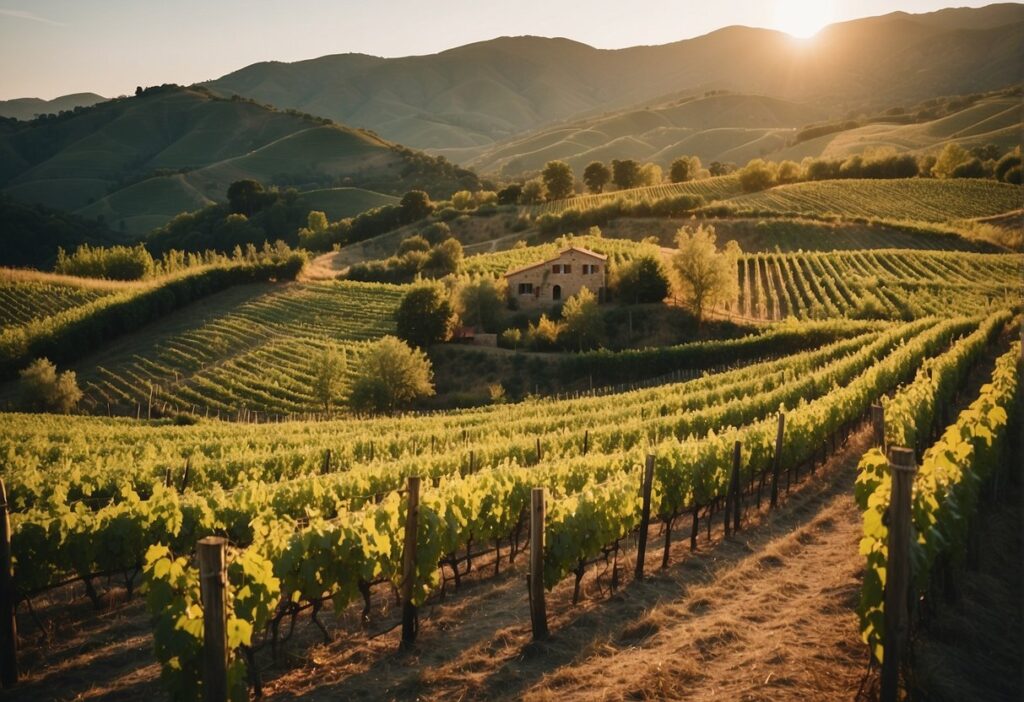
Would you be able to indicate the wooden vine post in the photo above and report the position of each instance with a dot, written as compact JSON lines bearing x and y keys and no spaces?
{"x":878,"y":426}
{"x":645,"y":517}
{"x":538,"y":610}
{"x":737,"y":493}
{"x":8,"y":625}
{"x":410,"y":620}
{"x":777,"y":459}
{"x":213,"y":590}
{"x":903,"y":468}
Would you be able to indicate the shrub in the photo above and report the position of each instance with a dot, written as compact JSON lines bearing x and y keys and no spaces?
{"x":582,"y":322}
{"x":391,"y":376}
{"x":41,"y":388}
{"x":643,"y":279}
{"x":424,"y":316}
{"x":114,"y":263}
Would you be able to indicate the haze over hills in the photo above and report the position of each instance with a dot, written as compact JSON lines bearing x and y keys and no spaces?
{"x":139,"y":161}
{"x":29,"y":107}
{"x":459,"y":102}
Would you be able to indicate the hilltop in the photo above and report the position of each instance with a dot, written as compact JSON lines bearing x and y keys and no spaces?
{"x":29,"y":107}
{"x":138,"y":161}
{"x":460,"y":101}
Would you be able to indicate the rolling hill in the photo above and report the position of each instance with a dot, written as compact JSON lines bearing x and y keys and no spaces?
{"x":136,"y":162}
{"x":460,"y":101}
{"x":722,"y":127}
{"x":29,"y":108}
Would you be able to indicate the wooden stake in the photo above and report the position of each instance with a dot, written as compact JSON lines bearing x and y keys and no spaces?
{"x":645,"y":517}
{"x":539,"y":455}
{"x":586,"y":441}
{"x":538,"y":610}
{"x":878,"y":426}
{"x":327,"y":463}
{"x":8,"y":624}
{"x":213,"y":586}
{"x":184,"y":478}
{"x":410,"y":620}
{"x":902,"y":467}
{"x":777,"y":459}
{"x":736,"y":492}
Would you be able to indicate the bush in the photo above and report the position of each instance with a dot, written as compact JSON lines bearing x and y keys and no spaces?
{"x":511,"y":338}
{"x":41,"y":388}
{"x":479,"y":301}
{"x":391,"y":377}
{"x":424,"y":316}
{"x":640,"y":280}
{"x":757,"y":175}
{"x":543,"y":336}
{"x":437,"y":232}
{"x":114,"y":263}
{"x":582,"y":322}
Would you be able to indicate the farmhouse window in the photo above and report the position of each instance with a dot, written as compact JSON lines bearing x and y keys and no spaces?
{"x":566,"y":268}
{"x":525,"y":288}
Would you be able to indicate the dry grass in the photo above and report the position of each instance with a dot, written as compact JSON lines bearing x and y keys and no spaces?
{"x":28,"y":275}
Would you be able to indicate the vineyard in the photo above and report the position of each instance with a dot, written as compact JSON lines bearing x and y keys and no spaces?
{"x":920,"y":199}
{"x":25,"y":298}
{"x":498,"y":263}
{"x":717,"y":188}
{"x":873,"y":284}
{"x":255,"y":356}
{"x":317,"y":513}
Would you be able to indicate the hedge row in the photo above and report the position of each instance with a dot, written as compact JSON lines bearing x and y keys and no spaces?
{"x":612,"y":367}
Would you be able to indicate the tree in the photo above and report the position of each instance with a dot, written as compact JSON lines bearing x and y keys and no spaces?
{"x":436,"y":233}
{"x":558,"y":179}
{"x":511,"y":337}
{"x":650,"y":174}
{"x":463,"y":200}
{"x":479,"y":301}
{"x":415,"y":205}
{"x":533,"y":192}
{"x":971,"y":168}
{"x":583,"y":323}
{"x":640,"y":280}
{"x":328,"y":370}
{"x":510,"y":194}
{"x":706,"y":276}
{"x":413,"y":243}
{"x":391,"y":376}
{"x":424,"y":316}
{"x":625,"y":174}
{"x":684,"y":168}
{"x":43,"y":389}
{"x":596,"y":175}
{"x":245,"y":197}
{"x":758,"y":174}
{"x":789,"y":172}
{"x":1007,"y":162}
{"x":444,"y":259}
{"x":717,"y":168}
{"x":949,"y":158}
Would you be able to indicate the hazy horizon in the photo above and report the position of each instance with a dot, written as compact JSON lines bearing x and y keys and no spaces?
{"x":57,"y":47}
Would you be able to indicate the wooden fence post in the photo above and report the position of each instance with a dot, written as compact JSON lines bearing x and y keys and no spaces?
{"x":538,"y":610}
{"x":540,"y":456}
{"x":8,"y":624}
{"x":327,"y":462}
{"x":902,"y":468}
{"x":410,"y":620}
{"x":645,"y":517}
{"x":737,"y":492}
{"x":184,"y":478}
{"x":586,"y":441}
{"x":777,"y":459}
{"x":212,"y":588}
{"x":878,"y":426}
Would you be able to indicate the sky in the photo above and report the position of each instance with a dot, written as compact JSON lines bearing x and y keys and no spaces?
{"x":55,"y":47}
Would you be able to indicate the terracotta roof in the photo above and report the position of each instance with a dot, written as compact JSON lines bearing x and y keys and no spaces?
{"x":578,"y":249}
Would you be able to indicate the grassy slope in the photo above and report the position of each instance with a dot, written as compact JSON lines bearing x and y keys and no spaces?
{"x":337,"y":203}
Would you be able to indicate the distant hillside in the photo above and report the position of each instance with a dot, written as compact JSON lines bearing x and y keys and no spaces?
{"x":716,"y":127}
{"x":461,"y":101}
{"x":139,"y":161}
{"x":30,"y":234}
{"x":29,"y":108}
{"x":736,"y":128}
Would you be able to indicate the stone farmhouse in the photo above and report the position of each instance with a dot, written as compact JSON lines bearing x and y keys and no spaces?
{"x":553,"y":281}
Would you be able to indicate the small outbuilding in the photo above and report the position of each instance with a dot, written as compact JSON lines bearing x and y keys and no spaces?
{"x":551,"y":282}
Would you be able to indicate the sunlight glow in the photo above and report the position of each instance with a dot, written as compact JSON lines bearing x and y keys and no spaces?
{"x":802,"y":19}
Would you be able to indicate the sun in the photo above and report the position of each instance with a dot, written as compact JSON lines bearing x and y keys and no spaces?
{"x":802,"y":19}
